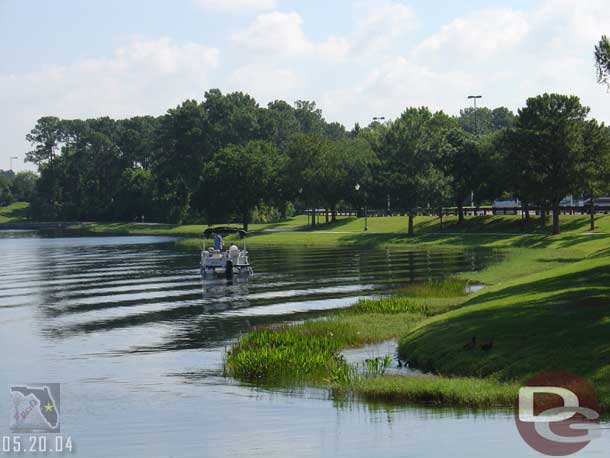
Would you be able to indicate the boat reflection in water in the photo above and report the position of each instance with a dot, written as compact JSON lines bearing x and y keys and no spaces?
{"x":221,"y":294}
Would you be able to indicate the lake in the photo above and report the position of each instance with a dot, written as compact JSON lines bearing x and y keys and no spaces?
{"x":136,"y":338}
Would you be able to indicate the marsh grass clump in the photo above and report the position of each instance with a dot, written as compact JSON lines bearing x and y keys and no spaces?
{"x":288,"y":353}
{"x":375,"y":367}
{"x":311,"y":352}
{"x":437,"y":391}
{"x":445,"y":288}
{"x":391,"y":305}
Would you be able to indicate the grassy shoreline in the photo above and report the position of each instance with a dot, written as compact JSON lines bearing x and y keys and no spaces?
{"x":547,"y":307}
{"x":309,"y":353}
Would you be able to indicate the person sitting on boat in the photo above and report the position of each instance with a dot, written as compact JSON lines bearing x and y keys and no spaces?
{"x":218,"y":242}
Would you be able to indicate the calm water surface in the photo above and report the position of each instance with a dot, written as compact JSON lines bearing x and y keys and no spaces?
{"x":136,"y":339}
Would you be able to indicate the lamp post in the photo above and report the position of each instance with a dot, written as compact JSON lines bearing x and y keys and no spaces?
{"x":366,"y":211}
{"x":379,"y":119}
{"x":300,"y":194}
{"x":13,"y":158}
{"x":474,"y":99}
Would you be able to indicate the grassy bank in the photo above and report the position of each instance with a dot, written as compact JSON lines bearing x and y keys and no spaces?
{"x":309,"y":353}
{"x":558,"y":319}
{"x":547,"y":307}
{"x":14,"y":213}
{"x":346,"y":229}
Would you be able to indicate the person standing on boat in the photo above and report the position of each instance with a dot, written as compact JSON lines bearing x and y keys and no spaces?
{"x":218,"y":242}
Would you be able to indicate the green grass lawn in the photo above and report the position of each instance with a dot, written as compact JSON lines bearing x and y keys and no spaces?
{"x":14,"y":213}
{"x":547,"y":307}
{"x":348,"y":227}
{"x":557,"y":319}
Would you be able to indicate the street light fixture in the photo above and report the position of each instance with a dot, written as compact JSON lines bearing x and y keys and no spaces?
{"x":366,"y":211}
{"x":474,"y":99}
{"x":379,"y":119}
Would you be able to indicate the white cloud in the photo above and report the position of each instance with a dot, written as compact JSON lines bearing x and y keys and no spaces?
{"x":507,"y":55}
{"x":142,"y":77}
{"x":235,"y":6}
{"x":382,"y":25}
{"x":394,"y":85}
{"x":281,"y":34}
{"x":477,"y":36}
{"x":275,"y":32}
{"x":334,"y":49}
{"x":265,"y":83}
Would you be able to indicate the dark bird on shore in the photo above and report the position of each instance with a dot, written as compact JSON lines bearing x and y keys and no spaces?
{"x":399,"y":362}
{"x":488,"y":346}
{"x":471,"y":345}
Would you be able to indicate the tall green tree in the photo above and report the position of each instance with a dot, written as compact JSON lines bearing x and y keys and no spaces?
{"x":464,"y":163}
{"x":413,"y":148}
{"x":602,"y":61}
{"x":6,"y":196}
{"x":243,"y":176}
{"x":486,"y":120}
{"x":183,"y":148}
{"x":554,"y":123}
{"x":303,"y":163}
{"x":342,"y":164}
{"x":23,"y":186}
{"x":594,"y":169}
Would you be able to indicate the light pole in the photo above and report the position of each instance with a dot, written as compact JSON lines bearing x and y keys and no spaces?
{"x":379,"y":119}
{"x":13,"y":158}
{"x":366,"y":211}
{"x":474,"y":99}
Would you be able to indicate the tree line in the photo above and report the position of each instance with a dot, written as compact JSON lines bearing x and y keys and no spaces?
{"x":226,"y":158}
{"x":16,"y":187}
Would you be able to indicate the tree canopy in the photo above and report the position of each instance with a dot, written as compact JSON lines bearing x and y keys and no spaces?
{"x":226,"y":158}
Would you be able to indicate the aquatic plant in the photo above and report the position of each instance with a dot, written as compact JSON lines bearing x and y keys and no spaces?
{"x":391,"y":305}
{"x":448,"y":287}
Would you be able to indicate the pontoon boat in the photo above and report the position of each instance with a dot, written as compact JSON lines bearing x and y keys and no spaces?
{"x":227,"y":262}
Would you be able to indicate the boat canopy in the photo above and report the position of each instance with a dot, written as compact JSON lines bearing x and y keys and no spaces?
{"x":224,"y":231}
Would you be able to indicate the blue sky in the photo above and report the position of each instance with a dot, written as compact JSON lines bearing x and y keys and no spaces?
{"x":356,"y":59}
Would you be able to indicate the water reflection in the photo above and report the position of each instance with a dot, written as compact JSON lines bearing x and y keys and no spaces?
{"x":137,"y":339}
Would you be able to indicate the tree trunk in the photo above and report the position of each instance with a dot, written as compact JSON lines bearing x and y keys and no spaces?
{"x":526,"y":210}
{"x":556,"y":228}
{"x":542,"y":216}
{"x":245,"y":223}
{"x":333,"y":215}
{"x":327,"y":218}
{"x":411,"y":231}
{"x":313,"y":217}
{"x":460,"y":207}
{"x":441,"y":217}
{"x":592,"y":211}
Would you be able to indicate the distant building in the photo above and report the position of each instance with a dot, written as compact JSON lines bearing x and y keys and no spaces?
{"x":506,"y":203}
{"x":603,"y":202}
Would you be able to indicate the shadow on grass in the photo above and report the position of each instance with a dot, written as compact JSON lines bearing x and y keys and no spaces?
{"x":598,"y":277}
{"x":559,"y":323}
{"x":15,"y":213}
